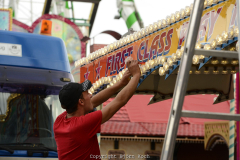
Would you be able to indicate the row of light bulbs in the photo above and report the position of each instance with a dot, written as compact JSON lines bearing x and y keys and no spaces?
{"x":167,"y":63}
{"x":142,"y":33}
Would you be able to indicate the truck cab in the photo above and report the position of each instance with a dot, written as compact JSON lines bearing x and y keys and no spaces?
{"x":33,"y":69}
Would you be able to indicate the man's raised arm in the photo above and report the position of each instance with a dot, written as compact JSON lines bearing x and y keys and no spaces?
{"x":108,"y":92}
{"x":125,"y":94}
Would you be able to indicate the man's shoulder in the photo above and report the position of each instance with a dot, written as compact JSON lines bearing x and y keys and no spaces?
{"x":60,"y":117}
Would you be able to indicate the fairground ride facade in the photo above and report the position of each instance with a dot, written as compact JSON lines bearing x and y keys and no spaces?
{"x":159,"y":48}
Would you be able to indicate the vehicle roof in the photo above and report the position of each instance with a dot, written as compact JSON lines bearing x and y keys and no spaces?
{"x":38,"y":51}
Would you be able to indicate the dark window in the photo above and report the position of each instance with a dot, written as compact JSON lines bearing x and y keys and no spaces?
{"x":116,"y":155}
{"x":152,"y":155}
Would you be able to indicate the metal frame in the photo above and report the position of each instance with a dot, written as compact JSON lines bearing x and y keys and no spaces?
{"x":182,"y":80}
{"x":216,"y":53}
{"x":209,"y":115}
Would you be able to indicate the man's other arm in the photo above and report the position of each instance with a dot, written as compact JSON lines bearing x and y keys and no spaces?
{"x":125,"y":94}
{"x":108,"y":92}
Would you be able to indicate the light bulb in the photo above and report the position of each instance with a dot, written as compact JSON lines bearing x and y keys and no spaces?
{"x":219,"y":40}
{"x":135,"y":35}
{"x":102,"y":52}
{"x":173,"y":19}
{"x":128,"y":39}
{"x":230,"y":34}
{"x":170,"y":61}
{"x":114,"y":80}
{"x":174,"y":57}
{"x":92,"y":90}
{"x":177,"y":16}
{"x":164,"y":23}
{"x":109,"y":79}
{"x":150,"y":28}
{"x":143,"y":32}
{"x":205,"y":3}
{"x":198,"y":46}
{"x":158,"y":60}
{"x":118,"y":78}
{"x":143,"y":69}
{"x":236,"y":32}
{"x":159,"y":24}
{"x":225,"y":36}
{"x":147,"y":66}
{"x":182,"y":49}
{"x":120,"y":75}
{"x":237,"y":46}
{"x":161,"y":71}
{"x":139,"y":34}
{"x":234,"y":62}
{"x":209,"y":3}
{"x":108,"y":48}
{"x":105,"y":80}
{"x":195,"y":59}
{"x":182,"y":14}
{"x":165,"y":66}
{"x":150,"y":64}
{"x":122,"y":43}
{"x":168,"y":19}
{"x":207,"y":47}
{"x":132,"y":38}
{"x":163,"y":59}
{"x":118,"y":43}
{"x":213,"y":44}
{"x":146,"y":30}
{"x":224,"y":61}
{"x":98,"y":84}
{"x":155,"y":26}
{"x":191,"y":7}
{"x":201,"y":58}
{"x":179,"y":54}
{"x":187,"y":11}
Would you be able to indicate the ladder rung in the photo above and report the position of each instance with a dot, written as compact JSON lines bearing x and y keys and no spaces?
{"x":210,"y":115}
{"x":217,"y":53}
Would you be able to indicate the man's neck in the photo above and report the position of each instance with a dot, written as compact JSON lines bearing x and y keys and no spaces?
{"x":75,"y":114}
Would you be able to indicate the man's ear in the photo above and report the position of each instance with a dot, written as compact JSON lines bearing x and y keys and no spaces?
{"x":80,"y":101}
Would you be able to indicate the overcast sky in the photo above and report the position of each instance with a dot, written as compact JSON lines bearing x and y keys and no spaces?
{"x":150,"y":10}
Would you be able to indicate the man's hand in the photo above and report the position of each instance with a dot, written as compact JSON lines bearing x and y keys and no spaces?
{"x":126,"y":77}
{"x":133,"y":67}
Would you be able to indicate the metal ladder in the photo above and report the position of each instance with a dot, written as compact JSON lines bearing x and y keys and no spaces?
{"x":182,"y":81}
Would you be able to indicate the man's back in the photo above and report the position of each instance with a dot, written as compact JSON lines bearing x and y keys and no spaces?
{"x":76,"y":136}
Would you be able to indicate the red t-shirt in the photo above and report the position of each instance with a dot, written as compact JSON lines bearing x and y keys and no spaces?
{"x":76,"y":136}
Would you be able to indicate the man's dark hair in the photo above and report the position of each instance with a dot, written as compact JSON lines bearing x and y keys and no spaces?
{"x":70,"y":94}
{"x":73,"y":108}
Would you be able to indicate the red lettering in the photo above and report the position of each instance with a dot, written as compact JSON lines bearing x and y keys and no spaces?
{"x":123,"y":58}
{"x":146,"y":54}
{"x":117,"y":61}
{"x":214,"y":17}
{"x":183,"y":33}
{"x":203,"y":26}
{"x":108,"y":64}
{"x":234,"y":16}
{"x":113,"y":63}
{"x":139,"y":54}
{"x":161,"y":47}
{"x":154,"y":46}
{"x":169,"y":42}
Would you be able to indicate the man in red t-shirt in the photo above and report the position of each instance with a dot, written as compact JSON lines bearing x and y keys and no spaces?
{"x":75,"y":129}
